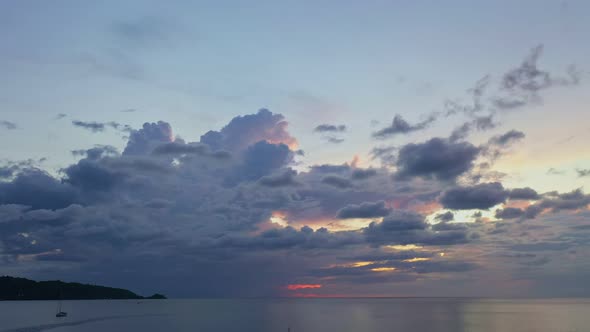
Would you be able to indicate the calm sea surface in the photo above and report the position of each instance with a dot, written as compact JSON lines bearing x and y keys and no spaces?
{"x":301,"y":315}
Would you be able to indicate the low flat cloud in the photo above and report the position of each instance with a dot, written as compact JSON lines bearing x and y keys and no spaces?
{"x":8,"y":125}
{"x":400,"y":126}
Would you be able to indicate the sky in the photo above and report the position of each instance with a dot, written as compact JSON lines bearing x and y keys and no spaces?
{"x":297,"y":148}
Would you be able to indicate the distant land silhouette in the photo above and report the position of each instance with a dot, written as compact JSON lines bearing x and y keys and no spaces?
{"x":12,"y":289}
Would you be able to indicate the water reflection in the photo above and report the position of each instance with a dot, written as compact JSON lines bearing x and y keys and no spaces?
{"x":306,"y":315}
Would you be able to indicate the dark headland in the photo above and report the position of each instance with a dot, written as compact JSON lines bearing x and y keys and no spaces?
{"x":12,"y":289}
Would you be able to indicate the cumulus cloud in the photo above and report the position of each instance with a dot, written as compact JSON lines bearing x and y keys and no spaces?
{"x":445,"y":217}
{"x":481,"y":196}
{"x":363,"y":174}
{"x":286,"y":178}
{"x":363,"y":210}
{"x":523,"y":194}
{"x":144,"y":140}
{"x":337,"y":181}
{"x":243,"y":131}
{"x":509,"y":213}
{"x":233,"y":201}
{"x":435,"y":159}
{"x":403,"y":227}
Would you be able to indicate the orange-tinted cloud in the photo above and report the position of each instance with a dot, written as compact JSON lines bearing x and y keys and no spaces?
{"x":303,"y":286}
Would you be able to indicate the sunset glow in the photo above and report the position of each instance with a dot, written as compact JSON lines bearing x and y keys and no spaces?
{"x":303,"y":286}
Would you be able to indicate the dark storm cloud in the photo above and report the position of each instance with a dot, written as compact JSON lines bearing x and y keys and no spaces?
{"x":179,"y":148}
{"x":481,"y":196}
{"x":573,"y":200}
{"x":403,"y":227}
{"x":509,"y":213}
{"x":264,"y":158}
{"x":583,"y":172}
{"x":37,"y":189}
{"x":523,"y":194}
{"x":552,"y":201}
{"x":8,"y":125}
{"x":144,"y":140}
{"x":169,"y":203}
{"x":445,"y":217}
{"x":7,"y":171}
{"x":401,"y":126}
{"x":286,"y":178}
{"x":289,"y":237}
{"x":337,"y":181}
{"x":96,"y":152}
{"x":90,"y":175}
{"x":435,"y":159}
{"x":363,"y":210}
{"x":362,"y":174}
{"x":329,"y":128}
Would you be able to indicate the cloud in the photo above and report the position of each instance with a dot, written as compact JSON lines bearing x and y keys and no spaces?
{"x":243,"y":131}
{"x":97,"y":127}
{"x":232,"y":202}
{"x":286,"y":178}
{"x":583,"y":172}
{"x":145,"y":140}
{"x":333,"y":139}
{"x":179,"y":148}
{"x":445,"y":217}
{"x":60,"y":116}
{"x":435,"y":159}
{"x":363,"y":174}
{"x":337,"y":181}
{"x":38,"y":190}
{"x":523,"y":194}
{"x":264,"y":158}
{"x":363,"y":210}
{"x":481,"y":196}
{"x":8,"y":125}
{"x":329,"y":128}
{"x":403,"y":227}
{"x":481,"y":123}
{"x":144,"y":32}
{"x":520,"y":86}
{"x":553,"y":171}
{"x":401,"y":126}
{"x":509,"y":213}
{"x":507,"y":138}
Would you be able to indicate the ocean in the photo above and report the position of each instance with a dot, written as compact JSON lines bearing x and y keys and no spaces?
{"x":301,"y":315}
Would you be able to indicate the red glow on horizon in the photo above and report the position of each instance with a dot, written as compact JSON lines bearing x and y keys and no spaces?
{"x":303,"y":286}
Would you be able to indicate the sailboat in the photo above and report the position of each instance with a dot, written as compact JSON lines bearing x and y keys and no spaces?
{"x":59,"y":312}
